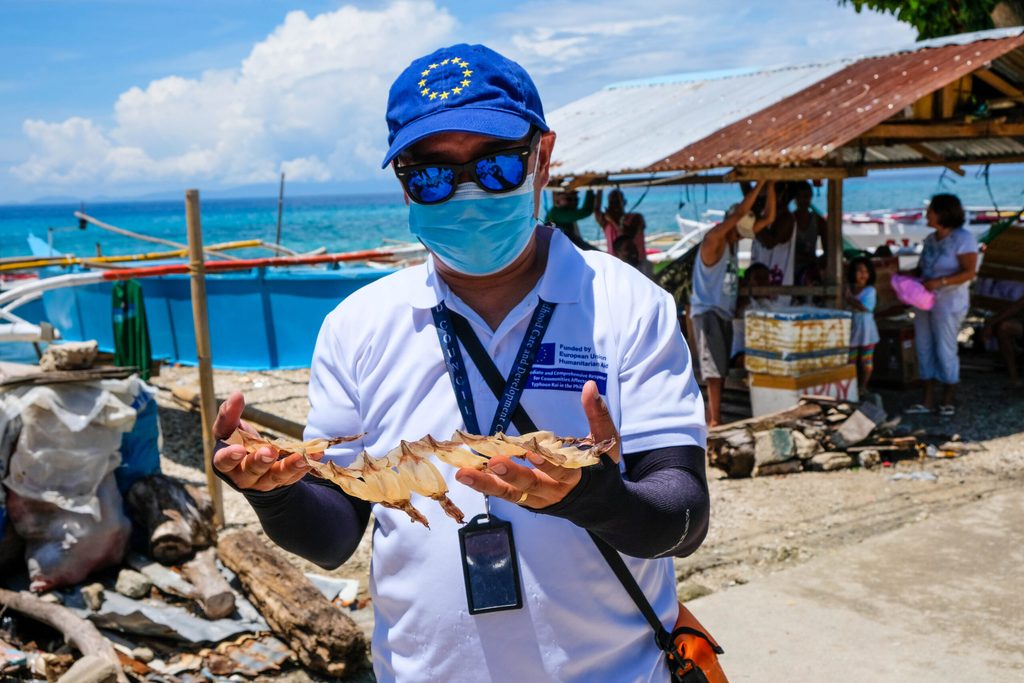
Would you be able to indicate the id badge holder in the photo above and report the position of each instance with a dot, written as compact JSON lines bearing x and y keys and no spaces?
{"x":489,"y":565}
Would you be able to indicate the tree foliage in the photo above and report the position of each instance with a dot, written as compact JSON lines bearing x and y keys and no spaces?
{"x":934,"y":18}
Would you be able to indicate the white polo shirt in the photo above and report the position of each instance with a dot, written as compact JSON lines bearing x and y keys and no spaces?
{"x":378,"y":368}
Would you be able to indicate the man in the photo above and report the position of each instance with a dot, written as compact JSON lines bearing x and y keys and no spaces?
{"x":1008,"y":328}
{"x":715,"y":285}
{"x":566,"y":211}
{"x":810,"y":228}
{"x":470,"y":145}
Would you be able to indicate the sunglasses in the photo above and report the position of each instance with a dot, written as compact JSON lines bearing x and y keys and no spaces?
{"x":498,"y":172}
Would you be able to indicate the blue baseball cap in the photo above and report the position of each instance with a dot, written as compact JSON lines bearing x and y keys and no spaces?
{"x":462,"y":88}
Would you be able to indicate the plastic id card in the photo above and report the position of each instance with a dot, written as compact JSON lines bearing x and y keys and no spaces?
{"x":489,"y":565}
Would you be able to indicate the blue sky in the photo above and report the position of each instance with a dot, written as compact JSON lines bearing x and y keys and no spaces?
{"x":127,"y":97}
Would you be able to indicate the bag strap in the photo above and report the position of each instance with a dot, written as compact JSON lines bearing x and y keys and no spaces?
{"x":485,"y":364}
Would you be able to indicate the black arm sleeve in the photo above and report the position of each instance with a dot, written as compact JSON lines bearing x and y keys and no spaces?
{"x":312,"y":518}
{"x":661,"y":508}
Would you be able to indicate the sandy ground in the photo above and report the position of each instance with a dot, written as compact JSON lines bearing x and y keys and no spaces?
{"x":759,"y":526}
{"x":936,"y":600}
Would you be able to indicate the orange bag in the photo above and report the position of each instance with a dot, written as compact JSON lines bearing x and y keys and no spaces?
{"x":693,"y":653}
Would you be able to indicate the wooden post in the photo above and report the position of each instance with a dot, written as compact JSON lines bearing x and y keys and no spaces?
{"x":280,"y":208}
{"x":201,"y":323}
{"x":834,"y":252}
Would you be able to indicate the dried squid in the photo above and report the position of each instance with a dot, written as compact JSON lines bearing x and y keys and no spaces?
{"x":279,"y":447}
{"x":562,"y":451}
{"x":411,"y":460}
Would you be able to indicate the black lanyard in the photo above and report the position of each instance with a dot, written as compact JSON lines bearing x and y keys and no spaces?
{"x":449,"y":326}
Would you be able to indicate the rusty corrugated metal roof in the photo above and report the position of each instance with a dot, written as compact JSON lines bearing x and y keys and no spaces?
{"x":800,"y":115}
{"x":629,"y":127}
{"x":807,"y":126}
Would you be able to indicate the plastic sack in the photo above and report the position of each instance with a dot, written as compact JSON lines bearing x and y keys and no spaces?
{"x":140,"y":448}
{"x":912,"y":292}
{"x":70,"y":441}
{"x":62,"y":547}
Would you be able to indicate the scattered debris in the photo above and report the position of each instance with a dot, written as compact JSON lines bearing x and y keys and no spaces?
{"x":322,"y":636}
{"x":869,"y":458}
{"x":166,"y":580}
{"x":213,"y":593}
{"x":93,"y":595}
{"x":78,"y":632}
{"x":821,"y":434}
{"x":829,"y":461}
{"x":11,"y":658}
{"x":161,"y":620}
{"x":178,"y":518}
{"x":90,"y":669}
{"x":920,"y":475}
{"x":248,"y":656}
{"x":132,"y":584}
{"x":69,"y":356}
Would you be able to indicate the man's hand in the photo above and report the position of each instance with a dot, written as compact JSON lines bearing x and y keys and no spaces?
{"x":544,"y":484}
{"x":260,"y":471}
{"x":933,"y":284}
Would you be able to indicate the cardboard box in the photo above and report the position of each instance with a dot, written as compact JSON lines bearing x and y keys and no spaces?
{"x":895,"y":355}
{"x":772,"y":393}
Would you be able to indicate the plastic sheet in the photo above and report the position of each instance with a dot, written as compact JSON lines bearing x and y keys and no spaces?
{"x":70,"y":440}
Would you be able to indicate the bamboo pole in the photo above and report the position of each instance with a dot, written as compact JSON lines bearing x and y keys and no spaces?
{"x":834,"y":252}
{"x":201,"y":322}
{"x":31,"y":262}
{"x":280,"y":208}
{"x":85,"y":218}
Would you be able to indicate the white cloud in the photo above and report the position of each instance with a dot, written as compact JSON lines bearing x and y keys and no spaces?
{"x":309,"y":99}
{"x":573,"y":49}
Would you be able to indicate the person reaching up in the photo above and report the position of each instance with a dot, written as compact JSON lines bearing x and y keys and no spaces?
{"x":715,"y":285}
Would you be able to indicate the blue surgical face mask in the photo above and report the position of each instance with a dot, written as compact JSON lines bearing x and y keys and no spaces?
{"x":476,"y":232}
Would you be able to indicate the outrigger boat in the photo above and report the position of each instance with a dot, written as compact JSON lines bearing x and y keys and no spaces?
{"x":263,"y":312}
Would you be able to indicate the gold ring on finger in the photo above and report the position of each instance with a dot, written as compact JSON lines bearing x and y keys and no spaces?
{"x":522,"y":498}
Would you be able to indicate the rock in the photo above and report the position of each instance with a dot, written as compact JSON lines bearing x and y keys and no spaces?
{"x":773,"y":445}
{"x":787,"y":467}
{"x":858,"y":426}
{"x":805,"y":447}
{"x":93,"y":596}
{"x":869,"y":458}
{"x":69,"y":356}
{"x":692,"y":591}
{"x":132,"y":584}
{"x":143,"y":654}
{"x":90,"y":669}
{"x":830,"y":460}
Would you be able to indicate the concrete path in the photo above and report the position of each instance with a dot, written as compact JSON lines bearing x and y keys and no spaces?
{"x":939,"y":600}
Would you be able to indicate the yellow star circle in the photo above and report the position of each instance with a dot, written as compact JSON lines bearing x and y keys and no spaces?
{"x":461,"y":70}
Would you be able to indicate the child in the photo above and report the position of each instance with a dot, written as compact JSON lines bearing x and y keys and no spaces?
{"x":756,"y":275}
{"x":862,"y":298}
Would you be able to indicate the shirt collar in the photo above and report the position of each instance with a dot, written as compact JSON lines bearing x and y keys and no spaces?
{"x":561,"y":283}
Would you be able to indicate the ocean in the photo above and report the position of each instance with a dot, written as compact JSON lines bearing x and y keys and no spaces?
{"x":348,"y":222}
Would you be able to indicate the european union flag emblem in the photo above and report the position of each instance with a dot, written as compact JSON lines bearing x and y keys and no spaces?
{"x":545,"y":354}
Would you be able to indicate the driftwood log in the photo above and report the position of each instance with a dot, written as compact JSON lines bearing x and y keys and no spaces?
{"x":178,"y":518}
{"x":79,"y":633}
{"x":213,"y":593}
{"x":323,"y":637}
